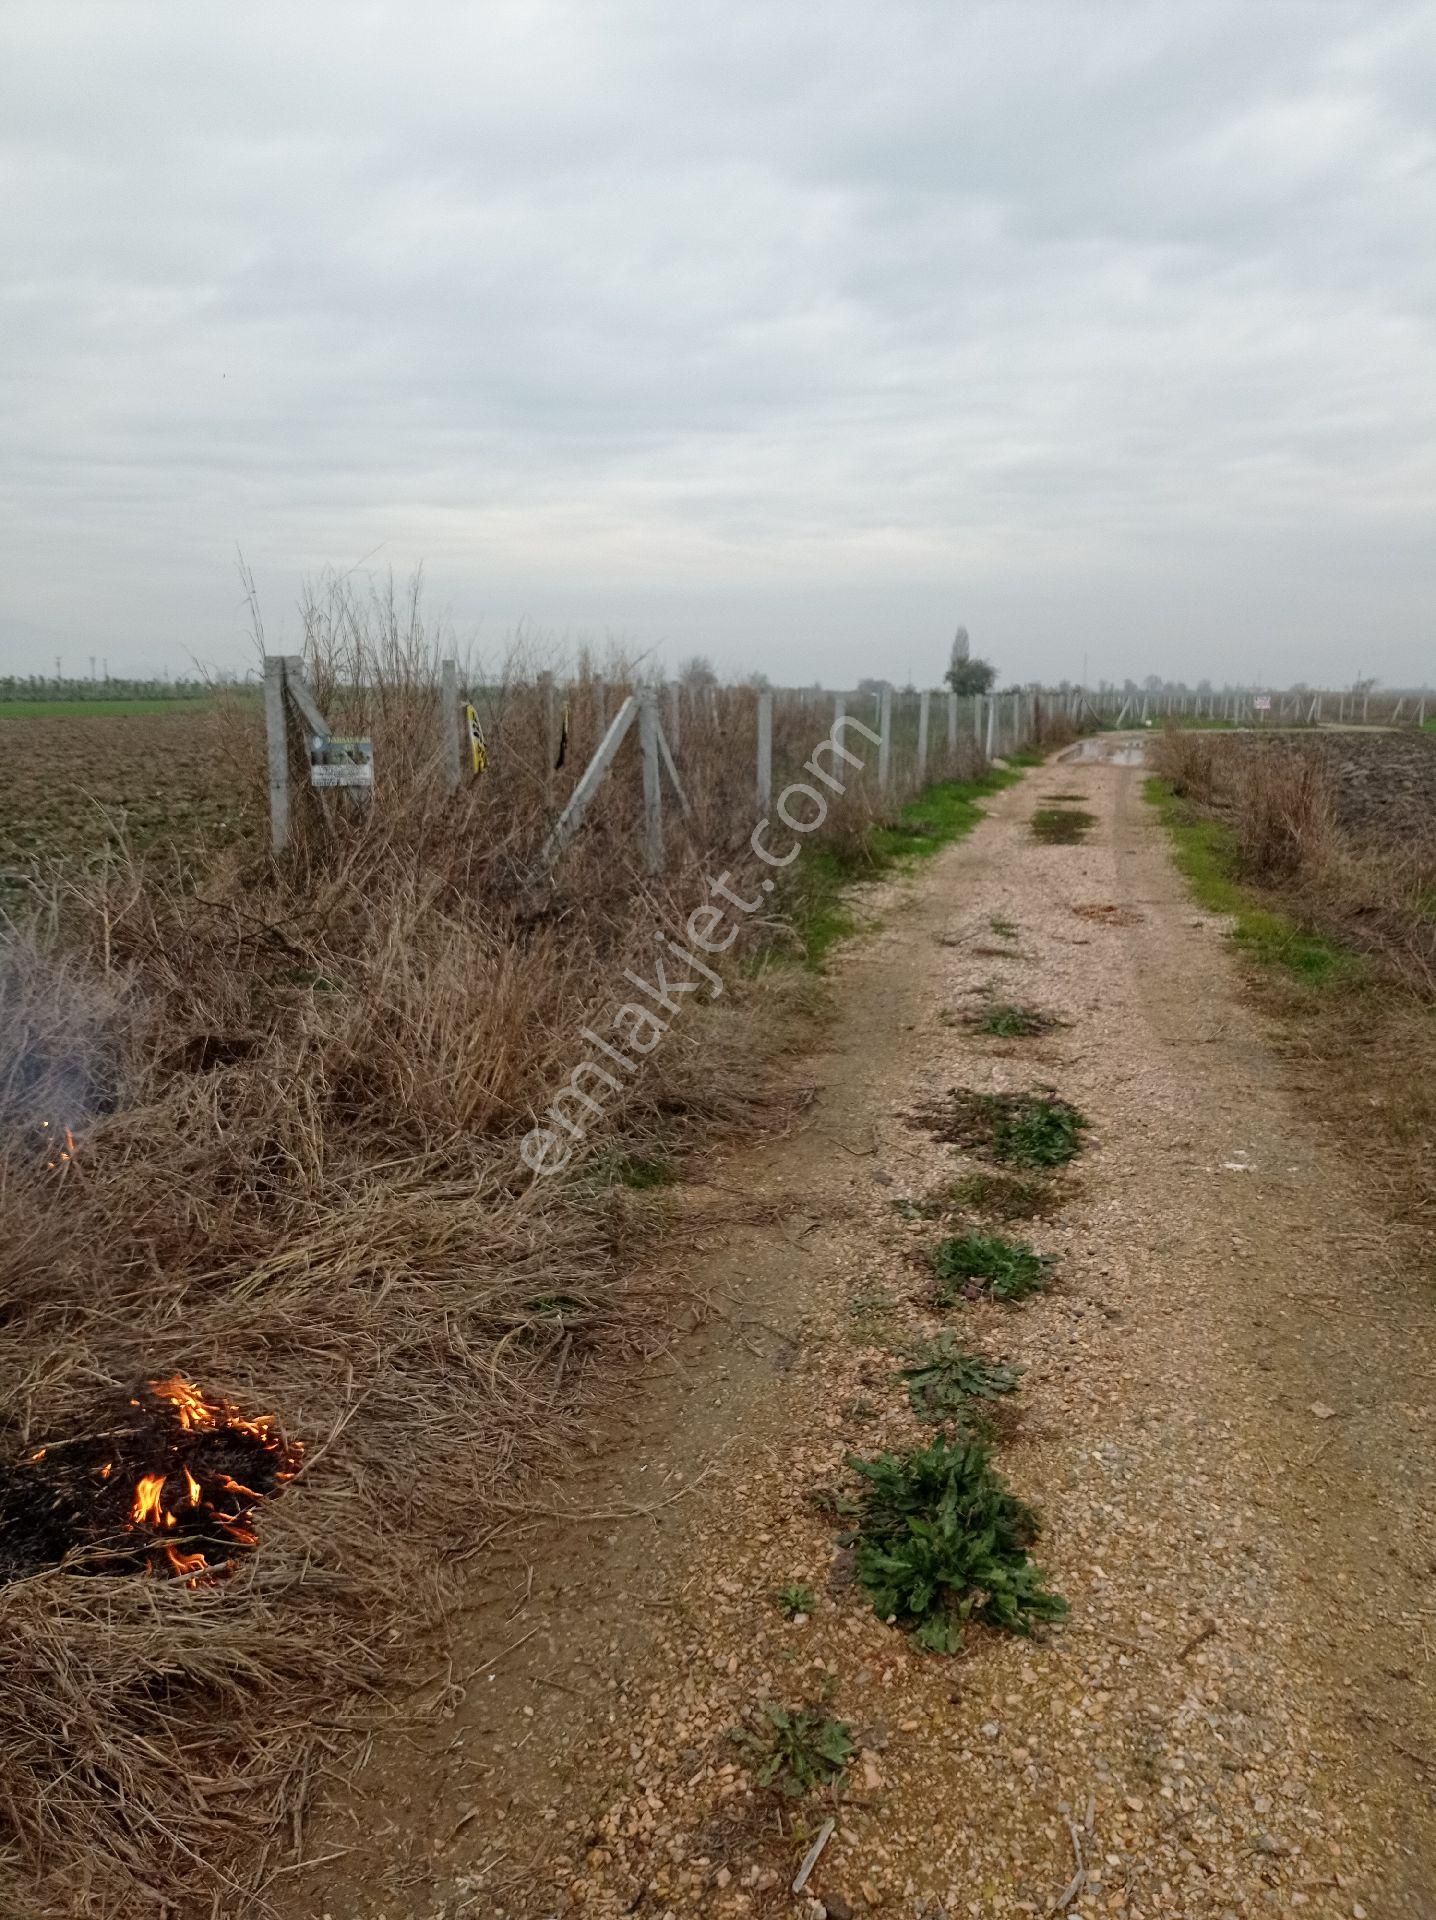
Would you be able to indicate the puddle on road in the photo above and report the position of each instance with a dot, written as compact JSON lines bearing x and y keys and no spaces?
{"x":1117,"y":753}
{"x":1062,"y":826}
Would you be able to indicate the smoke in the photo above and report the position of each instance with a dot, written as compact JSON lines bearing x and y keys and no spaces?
{"x":59,"y":1042}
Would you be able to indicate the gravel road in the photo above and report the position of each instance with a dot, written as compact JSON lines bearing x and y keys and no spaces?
{"x":1227,"y":1422}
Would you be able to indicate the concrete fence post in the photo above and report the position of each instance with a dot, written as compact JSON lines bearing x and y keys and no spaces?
{"x":674,"y":715}
{"x":993,"y":702}
{"x":652,"y":780}
{"x":885,"y":744}
{"x":952,"y":730}
{"x":276,"y":734}
{"x":923,"y":703}
{"x":765,"y":751}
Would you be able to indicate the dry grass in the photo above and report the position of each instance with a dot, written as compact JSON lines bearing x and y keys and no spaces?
{"x":1187,"y":761}
{"x":297,"y":1089}
{"x":1364,"y":1036}
{"x":1284,"y":819}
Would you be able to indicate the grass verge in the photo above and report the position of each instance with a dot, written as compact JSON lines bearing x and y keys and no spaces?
{"x":1206,"y":853}
{"x":1340,"y":917}
{"x":817,"y":899}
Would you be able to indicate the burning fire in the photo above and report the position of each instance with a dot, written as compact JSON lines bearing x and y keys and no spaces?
{"x":168,"y":1480}
{"x":61,"y":1156}
{"x":147,"y":1510}
{"x":196,"y":1495}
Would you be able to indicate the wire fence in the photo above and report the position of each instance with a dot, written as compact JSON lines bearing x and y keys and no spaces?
{"x":700,"y":750}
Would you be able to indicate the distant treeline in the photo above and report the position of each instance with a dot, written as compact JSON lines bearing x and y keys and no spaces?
{"x":34,"y":686}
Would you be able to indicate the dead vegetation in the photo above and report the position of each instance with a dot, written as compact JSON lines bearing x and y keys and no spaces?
{"x":1034,"y":1130}
{"x":993,"y":1196}
{"x":1361,"y":893}
{"x":295,"y":1092}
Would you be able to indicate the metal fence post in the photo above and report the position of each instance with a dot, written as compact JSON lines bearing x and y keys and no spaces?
{"x":765,"y":750}
{"x":276,"y":735}
{"x":652,"y":785}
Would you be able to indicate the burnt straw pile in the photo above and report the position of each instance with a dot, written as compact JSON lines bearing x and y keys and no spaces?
{"x":166,"y":1481}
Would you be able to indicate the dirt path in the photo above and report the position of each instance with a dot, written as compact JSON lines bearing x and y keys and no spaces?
{"x":1228,"y":1424}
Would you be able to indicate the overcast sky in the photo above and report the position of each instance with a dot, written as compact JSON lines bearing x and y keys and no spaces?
{"x":791,"y":334}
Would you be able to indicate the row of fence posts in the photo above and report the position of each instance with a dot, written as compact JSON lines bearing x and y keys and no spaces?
{"x":1248,"y":709}
{"x":1001,"y":723}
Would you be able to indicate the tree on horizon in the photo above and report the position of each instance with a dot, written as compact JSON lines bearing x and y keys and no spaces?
{"x":964,"y":674}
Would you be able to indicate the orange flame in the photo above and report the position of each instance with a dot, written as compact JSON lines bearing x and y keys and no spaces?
{"x":147,"y":1508}
{"x":238,"y":1486}
{"x":187,"y":1565}
{"x":64,"y":1156}
{"x":196,"y":1413}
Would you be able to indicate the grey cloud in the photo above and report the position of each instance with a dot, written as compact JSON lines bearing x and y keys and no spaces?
{"x":795,"y":334}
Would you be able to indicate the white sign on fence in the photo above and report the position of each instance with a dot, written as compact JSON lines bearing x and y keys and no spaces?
{"x":1262,"y":703}
{"x":335,"y":761}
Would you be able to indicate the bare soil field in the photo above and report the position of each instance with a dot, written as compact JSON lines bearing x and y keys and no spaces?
{"x":77,"y":783}
{"x":1383,"y":784}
